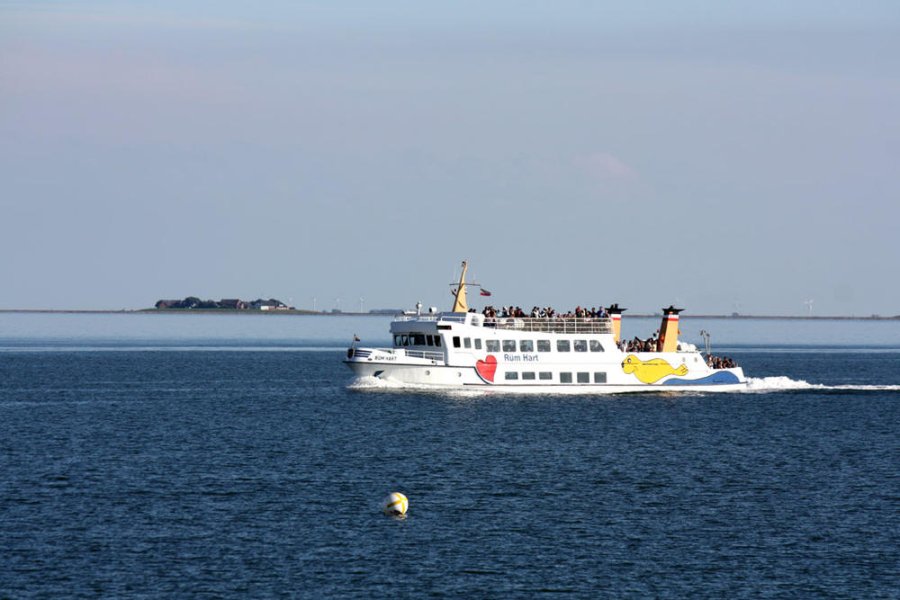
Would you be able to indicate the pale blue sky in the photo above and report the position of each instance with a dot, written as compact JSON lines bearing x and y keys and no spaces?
{"x":576,"y":152}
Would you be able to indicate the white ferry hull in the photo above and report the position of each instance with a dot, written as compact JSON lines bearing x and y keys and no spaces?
{"x":453,"y":378}
{"x":434,"y":374}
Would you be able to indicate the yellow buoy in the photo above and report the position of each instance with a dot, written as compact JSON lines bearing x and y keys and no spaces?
{"x":395,"y":504}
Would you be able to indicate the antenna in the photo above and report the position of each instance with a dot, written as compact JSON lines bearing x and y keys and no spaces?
{"x":705,"y":335}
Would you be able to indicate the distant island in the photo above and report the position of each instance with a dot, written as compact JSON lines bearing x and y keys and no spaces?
{"x":271,"y":305}
{"x":195,"y":303}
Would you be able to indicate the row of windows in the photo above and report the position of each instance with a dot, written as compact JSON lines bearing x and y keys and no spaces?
{"x":529,"y":345}
{"x":422,"y":339}
{"x":417,"y":339}
{"x":599,"y":376}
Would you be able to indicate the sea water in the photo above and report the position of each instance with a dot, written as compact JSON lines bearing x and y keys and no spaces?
{"x":234,"y":456}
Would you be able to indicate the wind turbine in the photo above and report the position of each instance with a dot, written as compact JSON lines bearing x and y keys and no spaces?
{"x":809,"y":305}
{"x":361,"y":300}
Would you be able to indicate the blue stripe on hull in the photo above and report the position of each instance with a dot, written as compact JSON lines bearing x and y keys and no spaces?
{"x":715,"y":378}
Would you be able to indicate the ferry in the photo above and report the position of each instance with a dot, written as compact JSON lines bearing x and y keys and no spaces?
{"x":466,"y":349}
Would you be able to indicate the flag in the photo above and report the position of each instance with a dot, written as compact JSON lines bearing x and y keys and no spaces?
{"x":484,"y":292}
{"x":356,"y":338}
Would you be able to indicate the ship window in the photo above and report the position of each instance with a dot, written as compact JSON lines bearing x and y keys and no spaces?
{"x":404,"y":340}
{"x":600,"y":377}
{"x":493,"y":345}
{"x":580,"y":345}
{"x":565,"y":378}
{"x":418,"y":339}
{"x":429,"y":340}
{"x":528,"y":375}
{"x":397,"y":341}
{"x":512,"y":375}
{"x":596,"y":346}
{"x":456,"y":341}
{"x":437,"y":341}
{"x":562,"y":346}
{"x":477,"y":343}
{"x":526,"y":346}
{"x":467,"y":342}
{"x":546,"y":375}
{"x":584,"y":378}
{"x":509,"y":345}
{"x":543,"y":345}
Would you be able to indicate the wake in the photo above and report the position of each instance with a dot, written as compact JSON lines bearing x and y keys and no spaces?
{"x":779,"y":384}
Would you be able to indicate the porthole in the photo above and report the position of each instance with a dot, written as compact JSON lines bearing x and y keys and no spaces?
{"x":428,"y":372}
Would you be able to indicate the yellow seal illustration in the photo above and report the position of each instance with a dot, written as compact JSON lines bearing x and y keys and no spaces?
{"x":650,"y":371}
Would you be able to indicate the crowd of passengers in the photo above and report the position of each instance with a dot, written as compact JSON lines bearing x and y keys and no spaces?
{"x":651,"y":344}
{"x":548,"y":312}
{"x":720,"y":362}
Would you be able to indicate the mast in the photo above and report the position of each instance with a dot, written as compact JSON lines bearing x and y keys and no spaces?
{"x":460,"y":304}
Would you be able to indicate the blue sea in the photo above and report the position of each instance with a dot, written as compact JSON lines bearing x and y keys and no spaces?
{"x":224,"y":456}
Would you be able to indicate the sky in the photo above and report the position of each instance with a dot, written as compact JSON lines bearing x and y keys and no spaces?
{"x":720,"y":156}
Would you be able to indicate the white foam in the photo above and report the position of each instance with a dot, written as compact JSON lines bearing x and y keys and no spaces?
{"x":772,"y":384}
{"x":376,"y":383}
{"x":370,"y":383}
{"x":777,"y":384}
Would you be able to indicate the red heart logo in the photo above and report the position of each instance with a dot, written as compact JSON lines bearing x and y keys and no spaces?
{"x":487,"y":367}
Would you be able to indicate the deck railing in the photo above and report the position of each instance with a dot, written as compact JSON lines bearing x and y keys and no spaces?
{"x":452,"y":318}
{"x":555,"y":325}
{"x":426,"y":354}
{"x":529,"y":324}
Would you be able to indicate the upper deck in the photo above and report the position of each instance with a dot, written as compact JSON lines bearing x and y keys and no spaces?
{"x":561,"y":325}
